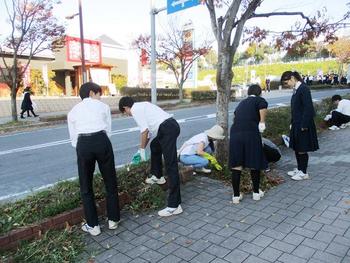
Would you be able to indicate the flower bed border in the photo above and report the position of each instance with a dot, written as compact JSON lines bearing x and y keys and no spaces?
{"x":72,"y":217}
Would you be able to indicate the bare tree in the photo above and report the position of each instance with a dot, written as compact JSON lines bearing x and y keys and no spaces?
{"x":175,"y":52}
{"x":228,"y":30}
{"x":33,"y":29}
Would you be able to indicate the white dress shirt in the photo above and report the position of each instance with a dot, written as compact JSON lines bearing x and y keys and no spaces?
{"x":191,"y":145}
{"x":148,"y":116}
{"x":88,"y":116}
{"x":344,"y":107}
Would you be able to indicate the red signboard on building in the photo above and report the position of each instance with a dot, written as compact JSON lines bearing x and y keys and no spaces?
{"x":92,"y":50}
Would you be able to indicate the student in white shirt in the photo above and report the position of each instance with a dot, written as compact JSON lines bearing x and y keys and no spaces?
{"x":341,"y":115}
{"x":89,"y":124}
{"x":155,"y":122}
{"x":191,"y":152}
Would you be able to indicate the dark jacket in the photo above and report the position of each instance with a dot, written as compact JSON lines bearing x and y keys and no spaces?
{"x":27,"y":102}
{"x":302,"y":116}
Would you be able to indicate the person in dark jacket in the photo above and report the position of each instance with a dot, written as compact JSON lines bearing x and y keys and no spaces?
{"x":303,"y":135}
{"x":27,"y":104}
{"x":246,"y":150}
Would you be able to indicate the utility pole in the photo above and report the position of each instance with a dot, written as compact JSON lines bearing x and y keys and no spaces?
{"x":154,"y":12}
{"x":83,"y":68}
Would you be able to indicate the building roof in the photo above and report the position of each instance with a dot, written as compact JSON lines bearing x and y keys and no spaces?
{"x":107,"y":40}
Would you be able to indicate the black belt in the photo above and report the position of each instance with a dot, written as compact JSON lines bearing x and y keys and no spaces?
{"x":91,"y":134}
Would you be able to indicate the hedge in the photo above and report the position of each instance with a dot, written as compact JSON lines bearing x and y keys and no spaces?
{"x":207,"y":95}
{"x":144,"y":94}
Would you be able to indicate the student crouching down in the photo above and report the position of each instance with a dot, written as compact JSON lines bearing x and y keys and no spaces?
{"x":89,"y":124}
{"x":246,"y":150}
{"x":155,"y":122}
{"x":340,"y":117}
{"x":193,"y":150}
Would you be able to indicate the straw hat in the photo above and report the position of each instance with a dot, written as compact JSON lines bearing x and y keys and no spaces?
{"x":215,"y":132}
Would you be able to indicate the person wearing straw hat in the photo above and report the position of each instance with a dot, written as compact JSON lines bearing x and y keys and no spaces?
{"x":246,"y":150}
{"x":193,"y":150}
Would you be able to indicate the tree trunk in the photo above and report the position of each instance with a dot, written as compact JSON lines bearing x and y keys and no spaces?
{"x":224,"y":77}
{"x":181,"y":93}
{"x":13,"y":102}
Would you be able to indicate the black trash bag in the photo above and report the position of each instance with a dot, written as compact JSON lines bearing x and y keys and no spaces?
{"x":271,"y":151}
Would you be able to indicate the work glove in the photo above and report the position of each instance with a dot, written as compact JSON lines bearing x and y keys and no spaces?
{"x":142,"y":154}
{"x":328,"y":117}
{"x":213,"y":161}
{"x":262,"y":127}
{"x":136,"y":159}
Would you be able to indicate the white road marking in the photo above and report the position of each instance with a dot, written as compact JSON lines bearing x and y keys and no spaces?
{"x":116,"y":132}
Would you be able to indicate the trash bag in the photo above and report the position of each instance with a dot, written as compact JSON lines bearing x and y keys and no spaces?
{"x":271,"y":151}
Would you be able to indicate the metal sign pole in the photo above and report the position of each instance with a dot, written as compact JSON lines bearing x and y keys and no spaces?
{"x":154,"y":11}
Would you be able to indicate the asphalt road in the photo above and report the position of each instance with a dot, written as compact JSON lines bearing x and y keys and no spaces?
{"x":36,"y":159}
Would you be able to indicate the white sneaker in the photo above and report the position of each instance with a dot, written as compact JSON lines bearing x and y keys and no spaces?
{"x":285,"y":139}
{"x":343,"y":126}
{"x":154,"y":180}
{"x":334,"y":128}
{"x":294,"y":172}
{"x":300,"y":176}
{"x":94,"y":231}
{"x":203,"y":170}
{"x":168,"y":211}
{"x":113,"y":224}
{"x":236,"y":199}
{"x":258,"y":196}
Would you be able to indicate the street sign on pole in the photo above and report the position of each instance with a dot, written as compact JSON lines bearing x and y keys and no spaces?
{"x":178,"y":5}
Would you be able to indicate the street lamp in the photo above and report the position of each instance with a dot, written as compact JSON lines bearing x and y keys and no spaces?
{"x":83,"y":68}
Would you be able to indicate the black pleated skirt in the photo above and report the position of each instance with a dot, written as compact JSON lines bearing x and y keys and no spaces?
{"x":246,"y":150}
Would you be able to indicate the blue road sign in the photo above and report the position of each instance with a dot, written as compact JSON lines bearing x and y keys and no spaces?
{"x":178,"y":5}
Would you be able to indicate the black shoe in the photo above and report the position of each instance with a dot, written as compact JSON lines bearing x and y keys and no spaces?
{"x":35,"y":115}
{"x":22,"y":117}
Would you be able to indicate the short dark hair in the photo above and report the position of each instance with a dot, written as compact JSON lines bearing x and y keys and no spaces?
{"x":254,"y":90}
{"x":125,"y":102}
{"x":287,"y":75}
{"x":85,"y":89}
{"x":336,"y":97}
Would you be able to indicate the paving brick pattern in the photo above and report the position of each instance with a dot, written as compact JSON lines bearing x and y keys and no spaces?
{"x":306,"y":221}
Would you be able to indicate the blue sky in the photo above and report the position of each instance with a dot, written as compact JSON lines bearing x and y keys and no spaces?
{"x":124,"y":20}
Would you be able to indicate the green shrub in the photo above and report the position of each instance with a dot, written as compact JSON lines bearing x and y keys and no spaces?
{"x":119,"y":80}
{"x":144,"y":94}
{"x":207,"y":95}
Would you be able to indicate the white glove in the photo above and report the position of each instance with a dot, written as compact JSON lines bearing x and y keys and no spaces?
{"x":262,"y":127}
{"x":142,"y":154}
{"x":327,"y":118}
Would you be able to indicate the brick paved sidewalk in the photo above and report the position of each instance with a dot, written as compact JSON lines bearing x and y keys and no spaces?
{"x":305,"y":221}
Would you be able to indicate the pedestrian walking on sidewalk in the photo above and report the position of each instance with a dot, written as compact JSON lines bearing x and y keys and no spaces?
{"x":155,"y":122}
{"x":303,"y":134}
{"x":246,"y":149}
{"x":27,"y":104}
{"x":89,"y":124}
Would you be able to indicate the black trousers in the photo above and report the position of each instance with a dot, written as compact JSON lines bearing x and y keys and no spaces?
{"x":339,"y":118}
{"x":164,"y":144}
{"x":90,"y":149}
